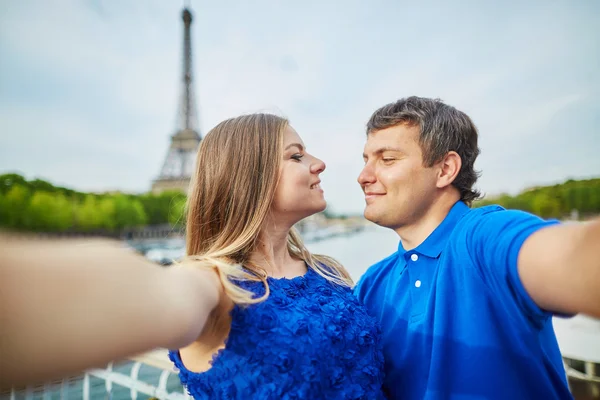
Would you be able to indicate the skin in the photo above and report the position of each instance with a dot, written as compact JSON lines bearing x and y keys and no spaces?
{"x":559,"y":266}
{"x":68,"y":305}
{"x":400,"y":192}
{"x":298,"y":194}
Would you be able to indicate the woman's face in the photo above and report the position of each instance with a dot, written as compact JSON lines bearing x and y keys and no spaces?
{"x":298,"y":193}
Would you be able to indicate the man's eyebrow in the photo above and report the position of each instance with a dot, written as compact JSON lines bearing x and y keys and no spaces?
{"x":298,"y":145}
{"x":383,"y":150}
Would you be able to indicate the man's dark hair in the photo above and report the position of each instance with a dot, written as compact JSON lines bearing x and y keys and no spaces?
{"x":443,"y":128}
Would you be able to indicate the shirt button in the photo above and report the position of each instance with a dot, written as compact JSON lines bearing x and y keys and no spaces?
{"x":418,"y":284}
{"x":414,"y":257}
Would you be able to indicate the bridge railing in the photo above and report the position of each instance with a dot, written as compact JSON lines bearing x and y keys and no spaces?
{"x":82,"y":388}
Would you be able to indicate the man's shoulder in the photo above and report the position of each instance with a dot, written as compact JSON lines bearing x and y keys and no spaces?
{"x":496,"y":214}
{"x":488,"y":209}
{"x":493,"y":233}
{"x":494,"y":222}
{"x":482,"y":212}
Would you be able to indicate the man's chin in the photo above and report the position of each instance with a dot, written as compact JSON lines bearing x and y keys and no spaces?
{"x":377,"y":218}
{"x":370,"y":215}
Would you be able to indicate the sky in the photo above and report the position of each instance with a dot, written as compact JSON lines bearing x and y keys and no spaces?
{"x":89,"y":89}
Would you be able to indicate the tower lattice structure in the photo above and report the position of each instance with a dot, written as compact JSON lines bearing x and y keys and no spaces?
{"x":179,"y":163}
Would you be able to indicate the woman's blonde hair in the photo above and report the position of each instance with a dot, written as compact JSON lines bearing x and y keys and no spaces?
{"x":231,"y":192}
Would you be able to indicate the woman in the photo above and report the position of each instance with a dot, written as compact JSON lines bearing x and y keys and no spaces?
{"x":286,"y":324}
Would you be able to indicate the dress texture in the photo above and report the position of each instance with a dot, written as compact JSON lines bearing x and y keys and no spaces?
{"x":310,"y":339}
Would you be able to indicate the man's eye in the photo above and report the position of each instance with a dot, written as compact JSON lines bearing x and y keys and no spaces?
{"x":297,"y":157}
{"x":388,"y":160}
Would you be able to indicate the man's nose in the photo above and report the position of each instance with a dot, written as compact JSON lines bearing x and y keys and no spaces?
{"x":367,"y":175}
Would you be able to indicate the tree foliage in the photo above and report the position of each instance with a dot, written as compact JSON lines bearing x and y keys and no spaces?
{"x":39,"y":206}
{"x":556,"y":201}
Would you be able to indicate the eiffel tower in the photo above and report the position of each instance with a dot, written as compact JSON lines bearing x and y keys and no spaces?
{"x":179,"y":164}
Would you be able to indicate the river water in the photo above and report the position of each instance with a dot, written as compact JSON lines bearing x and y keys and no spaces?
{"x":358,"y":251}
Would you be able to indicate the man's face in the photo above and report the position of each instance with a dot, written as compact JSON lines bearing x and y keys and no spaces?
{"x":398,"y":188}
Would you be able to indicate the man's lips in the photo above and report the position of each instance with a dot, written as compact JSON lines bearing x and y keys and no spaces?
{"x":373,"y":195}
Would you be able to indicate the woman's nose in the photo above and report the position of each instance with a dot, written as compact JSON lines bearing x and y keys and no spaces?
{"x":318,"y":166}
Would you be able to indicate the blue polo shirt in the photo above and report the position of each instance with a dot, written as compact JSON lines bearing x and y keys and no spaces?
{"x":457,"y":322}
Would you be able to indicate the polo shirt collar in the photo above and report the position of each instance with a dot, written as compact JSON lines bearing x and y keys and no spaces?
{"x":434,"y":244}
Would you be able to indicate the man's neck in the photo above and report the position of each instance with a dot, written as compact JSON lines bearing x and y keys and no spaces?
{"x":412,"y":235}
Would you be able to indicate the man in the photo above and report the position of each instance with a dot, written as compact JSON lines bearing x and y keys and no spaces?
{"x":465,"y":304}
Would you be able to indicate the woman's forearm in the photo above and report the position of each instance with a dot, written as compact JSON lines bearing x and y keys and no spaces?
{"x":70,"y":305}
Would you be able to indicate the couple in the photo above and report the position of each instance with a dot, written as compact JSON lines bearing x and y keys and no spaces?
{"x":461,"y":310}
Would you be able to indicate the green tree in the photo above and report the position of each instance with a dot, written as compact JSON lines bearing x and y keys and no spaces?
{"x":7,"y":181}
{"x":39,"y":185}
{"x":177,"y":211}
{"x":554,"y":201}
{"x":546,"y":206}
{"x":89,"y":214}
{"x":3,"y":210}
{"x":128,"y":212}
{"x":139,"y":217}
{"x":49,"y":212}
{"x":158,"y":207}
{"x":14,"y":207}
{"x":569,"y":197}
{"x":107,"y":209}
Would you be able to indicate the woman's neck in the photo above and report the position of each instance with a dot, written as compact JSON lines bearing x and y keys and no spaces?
{"x":272,"y":252}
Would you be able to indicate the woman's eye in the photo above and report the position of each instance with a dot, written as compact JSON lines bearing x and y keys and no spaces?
{"x":297,"y":157}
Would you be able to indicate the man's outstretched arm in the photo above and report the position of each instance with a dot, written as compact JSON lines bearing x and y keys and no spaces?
{"x":559,"y":267}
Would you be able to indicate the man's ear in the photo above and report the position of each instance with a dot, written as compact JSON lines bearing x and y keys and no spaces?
{"x":449,"y":168}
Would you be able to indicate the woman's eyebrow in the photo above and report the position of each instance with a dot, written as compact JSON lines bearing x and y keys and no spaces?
{"x":295,"y":144}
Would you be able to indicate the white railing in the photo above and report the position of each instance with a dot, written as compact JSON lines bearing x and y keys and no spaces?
{"x":579,"y":341}
{"x":588,"y":373}
{"x":110,"y":377}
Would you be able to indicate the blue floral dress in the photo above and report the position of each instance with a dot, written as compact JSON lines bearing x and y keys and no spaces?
{"x":310,"y":339}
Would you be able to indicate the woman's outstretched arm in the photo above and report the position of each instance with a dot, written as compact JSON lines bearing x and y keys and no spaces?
{"x":68,"y":305}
